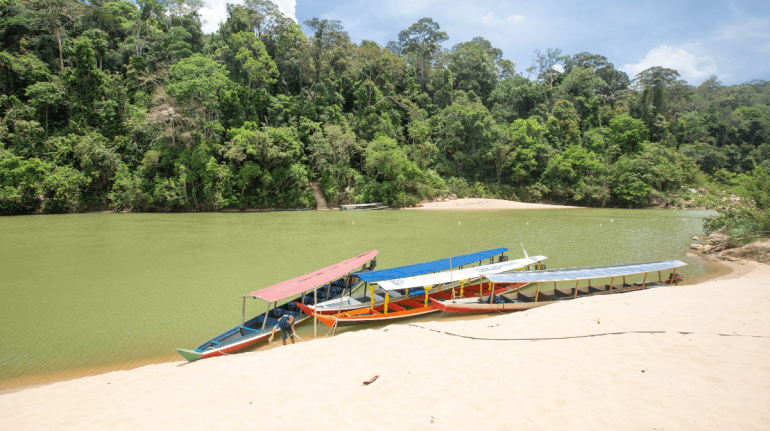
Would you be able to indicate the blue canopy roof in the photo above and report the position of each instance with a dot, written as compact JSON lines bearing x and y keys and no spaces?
{"x":426,"y":267}
{"x":572,"y":274}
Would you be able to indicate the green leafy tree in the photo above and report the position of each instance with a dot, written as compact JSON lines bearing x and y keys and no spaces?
{"x":100,"y":43}
{"x":63,"y":188}
{"x":21,"y":184}
{"x":627,"y":133}
{"x":198,"y":83}
{"x":562,"y":127}
{"x":57,"y":15}
{"x":475,"y":66}
{"x":395,"y":175}
{"x":331,"y":150}
{"x":546,"y":65}
{"x":85,"y":83}
{"x":44,"y":95}
{"x":253,"y":65}
{"x":423,"y":39}
{"x":530,"y":153}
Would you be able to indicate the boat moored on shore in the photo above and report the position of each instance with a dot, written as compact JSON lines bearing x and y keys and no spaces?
{"x":330,"y":282}
{"x":409,"y":297}
{"x":514,"y":300}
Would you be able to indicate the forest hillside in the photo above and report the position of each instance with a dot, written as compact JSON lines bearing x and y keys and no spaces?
{"x":130,"y":106}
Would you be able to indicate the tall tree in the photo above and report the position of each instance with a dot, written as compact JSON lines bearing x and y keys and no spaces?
{"x":328,"y":48}
{"x":424,"y":39}
{"x":546,"y":64}
{"x":475,"y":66}
{"x":56,"y":15}
{"x":149,"y":10}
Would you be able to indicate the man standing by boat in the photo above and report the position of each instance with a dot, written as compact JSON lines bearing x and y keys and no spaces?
{"x":285,"y":323}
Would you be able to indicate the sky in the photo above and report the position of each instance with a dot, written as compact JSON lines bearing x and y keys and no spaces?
{"x":729,"y":39}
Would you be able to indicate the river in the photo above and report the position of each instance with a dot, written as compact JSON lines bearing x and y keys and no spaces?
{"x":87,"y":293}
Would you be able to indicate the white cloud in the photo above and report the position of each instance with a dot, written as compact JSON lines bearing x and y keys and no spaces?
{"x":490,"y":18}
{"x":749,"y":29}
{"x":559,"y":68}
{"x":516,"y":18}
{"x":214,"y":12}
{"x":680,"y":59}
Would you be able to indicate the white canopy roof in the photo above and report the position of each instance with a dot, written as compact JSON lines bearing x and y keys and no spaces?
{"x":593,"y":272}
{"x":458,"y":274}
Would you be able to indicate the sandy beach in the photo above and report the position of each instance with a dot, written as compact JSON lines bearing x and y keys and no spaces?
{"x":475,"y":204}
{"x":688,"y":357}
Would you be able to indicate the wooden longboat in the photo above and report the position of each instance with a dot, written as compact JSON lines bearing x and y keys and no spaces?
{"x":515,"y":300}
{"x":400,"y":301}
{"x":376,"y":297}
{"x":334,"y":280}
{"x":364,"y":207}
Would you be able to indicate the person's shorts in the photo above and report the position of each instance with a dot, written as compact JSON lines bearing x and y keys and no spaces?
{"x":286,"y":333}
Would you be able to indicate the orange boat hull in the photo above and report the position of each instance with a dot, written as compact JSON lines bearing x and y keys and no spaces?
{"x":401,"y":309}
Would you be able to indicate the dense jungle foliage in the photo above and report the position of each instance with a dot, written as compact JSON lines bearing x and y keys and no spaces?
{"x":130,"y":106}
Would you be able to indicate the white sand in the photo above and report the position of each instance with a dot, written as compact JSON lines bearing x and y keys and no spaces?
{"x":690,"y":382}
{"x":474,"y":204}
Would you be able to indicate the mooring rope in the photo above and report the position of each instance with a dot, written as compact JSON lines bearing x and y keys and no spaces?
{"x":589,"y":335}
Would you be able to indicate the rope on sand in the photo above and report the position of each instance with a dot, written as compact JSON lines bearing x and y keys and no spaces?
{"x":589,"y":335}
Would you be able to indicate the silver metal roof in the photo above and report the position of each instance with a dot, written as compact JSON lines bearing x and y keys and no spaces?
{"x":572,"y":274}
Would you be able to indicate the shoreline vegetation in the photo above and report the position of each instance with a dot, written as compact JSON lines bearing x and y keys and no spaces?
{"x":686,"y":360}
{"x":131,"y":107}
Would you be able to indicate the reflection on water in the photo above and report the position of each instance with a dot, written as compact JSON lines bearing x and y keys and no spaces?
{"x":90,"y":292}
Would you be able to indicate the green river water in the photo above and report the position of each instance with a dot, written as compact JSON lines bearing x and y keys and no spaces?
{"x":87,"y":293}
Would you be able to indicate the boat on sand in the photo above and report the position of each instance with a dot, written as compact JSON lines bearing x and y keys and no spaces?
{"x":330,"y":282}
{"x":409,"y":297}
{"x":515,"y":300}
{"x":376,"y":297}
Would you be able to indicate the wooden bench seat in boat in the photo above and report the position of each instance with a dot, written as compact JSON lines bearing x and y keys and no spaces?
{"x":412,"y":303}
{"x":376,"y":297}
{"x":600,"y":288}
{"x":530,"y":297}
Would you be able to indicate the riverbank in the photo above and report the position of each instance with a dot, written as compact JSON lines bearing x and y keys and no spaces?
{"x":476,"y":204}
{"x":434,"y":378}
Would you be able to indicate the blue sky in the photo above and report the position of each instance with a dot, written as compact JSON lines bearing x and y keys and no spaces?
{"x":730,"y":39}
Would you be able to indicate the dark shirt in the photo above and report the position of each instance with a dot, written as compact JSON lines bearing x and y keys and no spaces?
{"x":283,"y":323}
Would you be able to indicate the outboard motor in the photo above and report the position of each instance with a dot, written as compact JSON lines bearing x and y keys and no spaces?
{"x":503,"y":258}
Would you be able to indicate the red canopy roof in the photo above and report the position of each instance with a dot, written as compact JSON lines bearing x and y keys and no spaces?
{"x":318,"y":278}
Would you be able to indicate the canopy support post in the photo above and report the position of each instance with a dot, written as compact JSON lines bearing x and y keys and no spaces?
{"x":387,"y":298}
{"x":660,"y":279}
{"x":673,"y":278}
{"x":243,"y":312}
{"x":264,"y":321}
{"x":611,"y":280}
{"x":538,"y":291}
{"x":427,"y":288}
{"x":576,"y":287}
{"x":462,"y":285}
{"x":624,"y":281}
{"x":315,"y":312}
{"x":644,"y":282}
{"x":491,"y":292}
{"x":337,"y":318}
{"x":371,"y":296}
